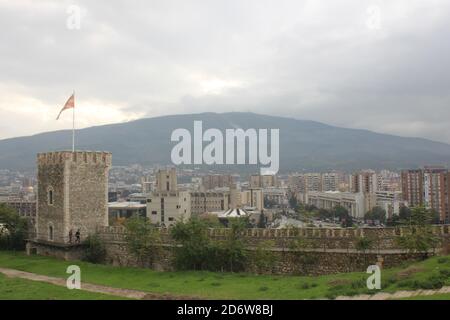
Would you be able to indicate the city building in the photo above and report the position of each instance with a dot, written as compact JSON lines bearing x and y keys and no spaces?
{"x":330,"y":181}
{"x":354,"y":202}
{"x":390,"y":201}
{"x":214,"y":181}
{"x":365,"y":181}
{"x":251,"y":197}
{"x":429,"y":187}
{"x":263,"y":181}
{"x":118,"y":211}
{"x":167,"y":204}
{"x":277,"y":196}
{"x":211,"y":201}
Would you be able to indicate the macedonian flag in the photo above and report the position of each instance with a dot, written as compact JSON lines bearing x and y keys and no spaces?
{"x":69,"y":104}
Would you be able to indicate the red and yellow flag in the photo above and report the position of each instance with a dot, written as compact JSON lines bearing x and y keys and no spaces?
{"x":69,"y":105}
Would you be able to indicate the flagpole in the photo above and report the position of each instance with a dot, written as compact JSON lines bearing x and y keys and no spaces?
{"x":73,"y":124}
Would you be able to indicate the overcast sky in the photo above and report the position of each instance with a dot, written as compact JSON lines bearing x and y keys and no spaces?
{"x":380,"y":65}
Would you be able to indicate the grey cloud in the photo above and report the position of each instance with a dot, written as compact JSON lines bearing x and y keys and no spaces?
{"x":305,"y":59}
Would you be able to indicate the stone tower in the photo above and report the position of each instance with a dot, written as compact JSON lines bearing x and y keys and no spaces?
{"x":72,"y":194}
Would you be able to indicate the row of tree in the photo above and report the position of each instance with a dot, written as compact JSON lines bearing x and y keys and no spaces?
{"x":13,"y":229}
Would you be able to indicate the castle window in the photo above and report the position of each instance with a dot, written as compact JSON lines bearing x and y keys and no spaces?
{"x":50,"y":197}
{"x":50,"y":232}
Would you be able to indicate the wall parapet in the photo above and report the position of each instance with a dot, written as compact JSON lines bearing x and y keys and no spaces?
{"x":326,"y":238}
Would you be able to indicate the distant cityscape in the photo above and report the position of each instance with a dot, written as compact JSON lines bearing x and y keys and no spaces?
{"x":141,"y":190}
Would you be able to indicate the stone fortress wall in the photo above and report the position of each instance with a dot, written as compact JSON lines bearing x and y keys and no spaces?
{"x":324,"y":251}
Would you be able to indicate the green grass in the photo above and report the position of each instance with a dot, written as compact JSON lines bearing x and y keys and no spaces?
{"x":231,"y":285}
{"x":21,"y":289}
{"x":443,"y":296}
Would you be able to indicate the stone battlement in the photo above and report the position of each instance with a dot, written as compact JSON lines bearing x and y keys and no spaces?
{"x":325,"y":238}
{"x":440,"y":230}
{"x":88,"y":157}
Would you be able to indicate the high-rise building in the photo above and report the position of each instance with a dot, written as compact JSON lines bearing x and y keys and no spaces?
{"x":263,"y":181}
{"x":167,"y":204}
{"x":166,"y":180}
{"x":330,"y":181}
{"x":213,"y":181}
{"x":429,"y":187}
{"x":364,"y":182}
{"x":412,"y":187}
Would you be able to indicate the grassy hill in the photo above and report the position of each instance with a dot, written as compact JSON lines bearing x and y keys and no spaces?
{"x":428,"y":274}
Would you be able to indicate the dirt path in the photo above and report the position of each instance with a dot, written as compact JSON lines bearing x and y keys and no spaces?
{"x":125,"y":293}
{"x":397,"y":295}
{"x":136,"y":294}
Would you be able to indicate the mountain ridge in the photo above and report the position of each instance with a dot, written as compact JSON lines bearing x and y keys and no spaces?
{"x":304,"y":144}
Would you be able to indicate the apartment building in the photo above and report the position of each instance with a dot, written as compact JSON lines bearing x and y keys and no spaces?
{"x":263,"y":181}
{"x":429,"y":187}
{"x":213,"y":181}
{"x":365,"y":181}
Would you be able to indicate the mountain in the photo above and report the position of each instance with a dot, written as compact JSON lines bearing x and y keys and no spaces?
{"x":304,"y":145}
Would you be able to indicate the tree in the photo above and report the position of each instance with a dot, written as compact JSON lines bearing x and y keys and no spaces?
{"x":195,"y":250}
{"x":404,"y":214}
{"x":377,"y":213}
{"x":363,"y":244}
{"x":293,"y":203}
{"x":324,"y":214}
{"x":420,"y":239}
{"x":262,"y":223}
{"x":268,"y":203}
{"x":233,"y":247}
{"x":394,"y":221}
{"x":340,"y":212}
{"x":95,"y":251}
{"x":143,"y":240}
{"x":347,"y":222}
{"x":13,"y":229}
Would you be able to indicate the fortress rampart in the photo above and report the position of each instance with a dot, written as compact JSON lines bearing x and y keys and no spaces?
{"x":323,"y":251}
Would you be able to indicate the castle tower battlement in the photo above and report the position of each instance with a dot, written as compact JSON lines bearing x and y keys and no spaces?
{"x":72,"y":194}
{"x":88,"y":157}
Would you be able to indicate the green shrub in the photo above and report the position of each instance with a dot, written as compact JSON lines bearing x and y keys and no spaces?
{"x":358,"y":284}
{"x":331,"y":295}
{"x":433,"y":282}
{"x":94,"y":251}
{"x":445,"y":273}
{"x":13,"y":229}
{"x":442,"y":260}
{"x":304,"y":286}
{"x":405,"y":284}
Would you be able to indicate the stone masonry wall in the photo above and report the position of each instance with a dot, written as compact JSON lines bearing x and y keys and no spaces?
{"x":327,"y":251}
